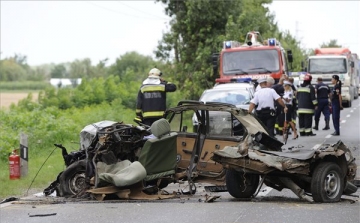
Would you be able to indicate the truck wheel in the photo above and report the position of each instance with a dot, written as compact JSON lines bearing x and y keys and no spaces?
{"x":240,"y":185}
{"x":72,"y":180}
{"x":327,"y":183}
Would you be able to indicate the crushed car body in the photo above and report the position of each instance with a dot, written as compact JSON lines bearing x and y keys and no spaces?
{"x":228,"y":148}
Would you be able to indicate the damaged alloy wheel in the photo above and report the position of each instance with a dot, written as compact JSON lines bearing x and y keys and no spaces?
{"x":240,"y":184}
{"x":72,"y":180}
{"x":327,"y":183}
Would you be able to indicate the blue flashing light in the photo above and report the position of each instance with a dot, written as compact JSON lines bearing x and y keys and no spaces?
{"x":228,"y":44}
{"x":272,"y":42}
{"x":243,"y":80}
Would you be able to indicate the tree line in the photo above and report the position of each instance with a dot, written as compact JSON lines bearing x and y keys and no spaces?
{"x":198,"y":29}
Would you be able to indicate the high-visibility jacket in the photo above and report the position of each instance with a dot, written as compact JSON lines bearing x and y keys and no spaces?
{"x":151,"y":100}
{"x":306,"y":99}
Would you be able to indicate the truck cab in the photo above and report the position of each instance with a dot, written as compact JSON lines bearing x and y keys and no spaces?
{"x":329,"y":61}
{"x":254,"y":59}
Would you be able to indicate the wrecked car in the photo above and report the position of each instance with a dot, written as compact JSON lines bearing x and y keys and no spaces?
{"x":325,"y":172}
{"x":135,"y":161}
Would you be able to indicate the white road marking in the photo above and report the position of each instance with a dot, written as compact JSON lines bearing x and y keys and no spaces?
{"x":351,"y":110}
{"x":343,"y":121}
{"x":328,"y":136}
{"x":347,"y":116}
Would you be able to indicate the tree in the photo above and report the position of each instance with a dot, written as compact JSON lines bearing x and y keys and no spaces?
{"x":331,"y":44}
{"x":59,"y":71}
{"x":134,"y":61}
{"x":198,"y":29}
{"x":11,"y":71}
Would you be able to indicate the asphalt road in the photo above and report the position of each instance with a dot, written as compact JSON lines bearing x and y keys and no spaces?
{"x":268,"y":206}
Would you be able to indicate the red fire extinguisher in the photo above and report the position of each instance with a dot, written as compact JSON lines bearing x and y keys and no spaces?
{"x":14,"y":165}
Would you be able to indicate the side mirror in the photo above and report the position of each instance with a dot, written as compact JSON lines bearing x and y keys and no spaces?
{"x":215,"y":64}
{"x":289,"y":56}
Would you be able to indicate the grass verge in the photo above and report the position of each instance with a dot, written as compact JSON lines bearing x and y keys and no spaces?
{"x":46,"y":175}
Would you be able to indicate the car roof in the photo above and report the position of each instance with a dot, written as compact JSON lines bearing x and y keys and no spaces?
{"x":233,"y":85}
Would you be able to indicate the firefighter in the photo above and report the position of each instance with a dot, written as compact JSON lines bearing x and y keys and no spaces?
{"x":264,"y":99}
{"x":279,"y":88}
{"x":322,"y":94}
{"x":336,"y":104}
{"x":307,"y":104}
{"x":151,"y":99}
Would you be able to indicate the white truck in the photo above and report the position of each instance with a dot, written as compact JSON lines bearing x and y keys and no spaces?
{"x":329,"y":61}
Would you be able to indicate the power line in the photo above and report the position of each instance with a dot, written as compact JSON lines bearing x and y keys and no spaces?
{"x":136,"y":9}
{"x":122,"y":13}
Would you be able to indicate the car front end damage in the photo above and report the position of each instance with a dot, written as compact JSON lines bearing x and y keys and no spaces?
{"x":325,"y":171}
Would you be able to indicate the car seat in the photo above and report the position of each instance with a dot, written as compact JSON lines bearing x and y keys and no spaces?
{"x":158,"y":154}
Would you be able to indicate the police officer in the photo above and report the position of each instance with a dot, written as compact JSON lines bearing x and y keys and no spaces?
{"x":264,"y":99}
{"x":151,"y":99}
{"x":322,"y":94}
{"x":306,"y":106}
{"x":336,"y":104}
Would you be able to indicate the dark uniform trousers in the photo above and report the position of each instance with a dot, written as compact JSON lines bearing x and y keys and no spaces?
{"x":268,"y":118}
{"x":335,"y":105}
{"x":305,"y":123}
{"x":323,"y":106}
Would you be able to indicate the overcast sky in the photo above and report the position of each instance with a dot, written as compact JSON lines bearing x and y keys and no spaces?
{"x":62,"y":31}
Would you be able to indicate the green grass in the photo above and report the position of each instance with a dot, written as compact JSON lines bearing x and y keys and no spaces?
{"x":47,"y":174}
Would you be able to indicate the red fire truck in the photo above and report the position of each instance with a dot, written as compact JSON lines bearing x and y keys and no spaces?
{"x":254,"y":59}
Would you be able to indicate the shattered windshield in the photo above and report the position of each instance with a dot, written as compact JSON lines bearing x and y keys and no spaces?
{"x":250,"y":61}
{"x":327,"y":65}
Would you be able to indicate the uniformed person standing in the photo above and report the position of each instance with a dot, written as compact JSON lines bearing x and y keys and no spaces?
{"x":322,"y":94}
{"x":151,"y":99}
{"x":279,"y":89}
{"x":336,"y":104}
{"x":306,"y":106}
{"x":264,"y":99}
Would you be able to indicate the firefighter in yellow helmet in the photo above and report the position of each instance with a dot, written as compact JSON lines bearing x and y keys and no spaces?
{"x":151,"y":99}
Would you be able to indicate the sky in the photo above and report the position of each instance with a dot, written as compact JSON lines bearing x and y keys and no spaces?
{"x":63,"y":31}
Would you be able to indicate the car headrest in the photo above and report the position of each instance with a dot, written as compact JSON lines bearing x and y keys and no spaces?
{"x":160,"y":128}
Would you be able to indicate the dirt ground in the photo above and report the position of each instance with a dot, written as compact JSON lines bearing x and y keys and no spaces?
{"x":6,"y":99}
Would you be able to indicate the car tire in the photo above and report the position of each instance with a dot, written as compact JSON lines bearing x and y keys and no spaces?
{"x":327,"y":183}
{"x":72,"y":180}
{"x":241,"y":185}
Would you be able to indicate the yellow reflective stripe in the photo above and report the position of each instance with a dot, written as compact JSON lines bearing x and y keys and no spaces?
{"x":138,"y":111}
{"x":307,"y":90}
{"x":315,"y":102}
{"x":147,"y":88}
{"x":153,"y":113}
{"x":305,"y":111}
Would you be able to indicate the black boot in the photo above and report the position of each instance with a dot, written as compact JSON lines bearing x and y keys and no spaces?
{"x":335,"y":133}
{"x":311,"y":134}
{"x":326,"y":124}
{"x":316,"y":127}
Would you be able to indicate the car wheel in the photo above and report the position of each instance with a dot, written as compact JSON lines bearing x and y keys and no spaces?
{"x":327,"y":183}
{"x":72,"y":180}
{"x":240,"y":184}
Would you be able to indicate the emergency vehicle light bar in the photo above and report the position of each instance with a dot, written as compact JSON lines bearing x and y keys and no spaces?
{"x":243,"y":80}
{"x":230,"y":44}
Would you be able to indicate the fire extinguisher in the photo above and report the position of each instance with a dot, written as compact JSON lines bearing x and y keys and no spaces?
{"x":14,"y":165}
